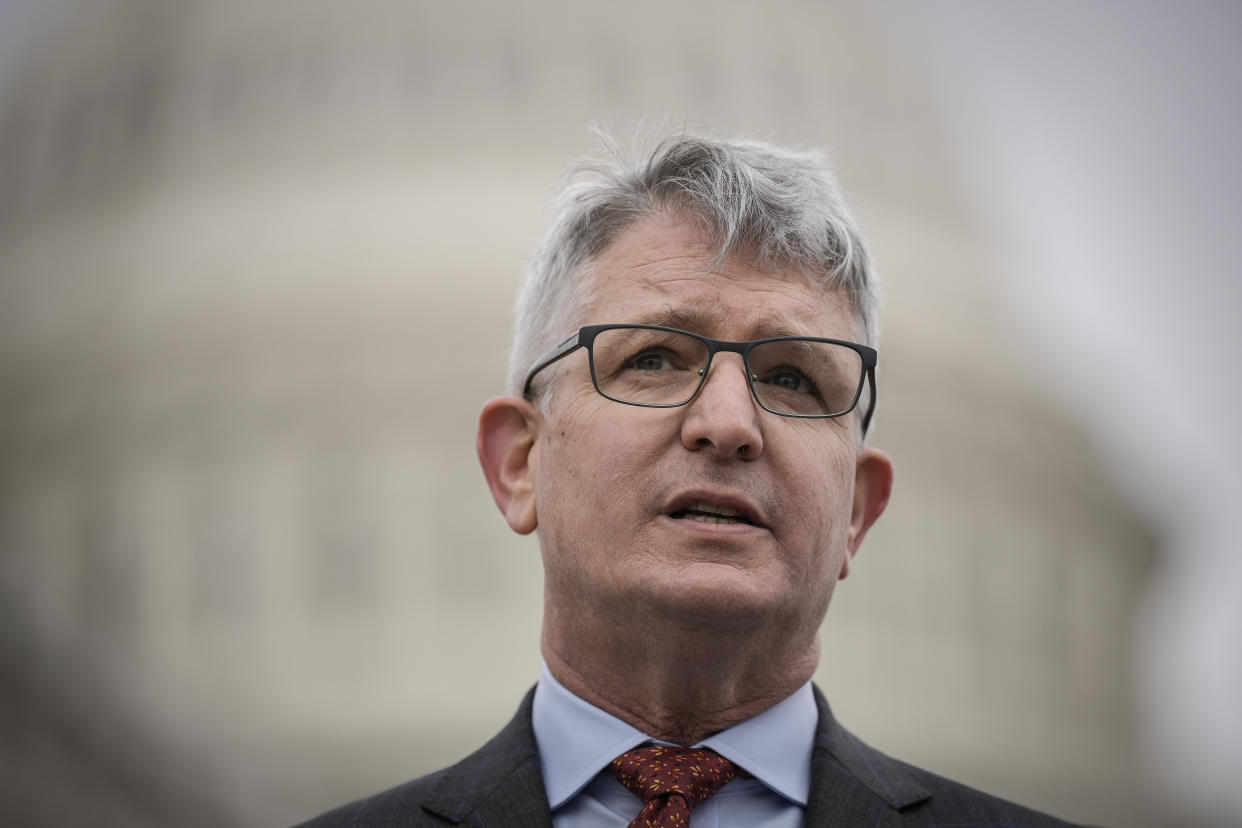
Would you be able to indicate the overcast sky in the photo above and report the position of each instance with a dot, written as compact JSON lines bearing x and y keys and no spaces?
{"x":1106,"y":141}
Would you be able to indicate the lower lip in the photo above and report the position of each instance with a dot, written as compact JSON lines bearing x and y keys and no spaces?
{"x":701,"y":527}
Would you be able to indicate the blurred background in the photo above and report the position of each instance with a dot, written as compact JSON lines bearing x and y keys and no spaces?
{"x":256,"y":269}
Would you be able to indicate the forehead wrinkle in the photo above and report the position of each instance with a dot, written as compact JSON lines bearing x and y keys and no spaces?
{"x":677,"y":271}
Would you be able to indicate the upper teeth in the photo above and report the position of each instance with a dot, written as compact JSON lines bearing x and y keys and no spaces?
{"x":723,"y":511}
{"x":715,"y":513}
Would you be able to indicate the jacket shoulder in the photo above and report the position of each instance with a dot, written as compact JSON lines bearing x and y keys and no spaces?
{"x":954,"y":803}
{"x":401,"y":805}
{"x":853,"y":783}
{"x":498,"y":784}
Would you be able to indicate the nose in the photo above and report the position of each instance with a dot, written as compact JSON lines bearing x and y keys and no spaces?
{"x":724,"y":418}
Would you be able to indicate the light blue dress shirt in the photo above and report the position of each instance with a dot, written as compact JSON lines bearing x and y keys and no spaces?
{"x":577,"y":741}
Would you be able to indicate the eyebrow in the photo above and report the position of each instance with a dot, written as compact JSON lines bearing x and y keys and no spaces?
{"x":670,"y":317}
{"x":697,"y":320}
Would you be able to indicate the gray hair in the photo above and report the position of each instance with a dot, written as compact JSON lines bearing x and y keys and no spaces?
{"x":783,"y":204}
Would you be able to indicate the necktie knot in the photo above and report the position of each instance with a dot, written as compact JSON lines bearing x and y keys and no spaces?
{"x":670,"y":781}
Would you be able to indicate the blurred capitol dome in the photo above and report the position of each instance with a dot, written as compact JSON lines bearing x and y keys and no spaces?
{"x":256,"y":264}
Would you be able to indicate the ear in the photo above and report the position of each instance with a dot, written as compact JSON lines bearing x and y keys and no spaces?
{"x":873,"y":482}
{"x":507,"y":430}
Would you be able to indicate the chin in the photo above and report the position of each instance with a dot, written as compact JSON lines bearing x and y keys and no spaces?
{"x":720,"y":596}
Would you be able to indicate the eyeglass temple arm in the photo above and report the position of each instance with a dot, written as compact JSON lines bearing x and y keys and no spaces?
{"x":866,"y":424}
{"x":564,"y":349}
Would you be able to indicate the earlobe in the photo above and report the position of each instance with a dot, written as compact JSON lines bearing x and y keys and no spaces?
{"x":507,"y":430}
{"x":873,"y":483}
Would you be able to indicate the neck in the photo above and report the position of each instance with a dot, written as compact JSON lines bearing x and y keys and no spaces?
{"x":683,"y":685}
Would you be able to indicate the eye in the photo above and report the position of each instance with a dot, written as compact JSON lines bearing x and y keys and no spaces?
{"x":789,"y":379}
{"x":651,"y":360}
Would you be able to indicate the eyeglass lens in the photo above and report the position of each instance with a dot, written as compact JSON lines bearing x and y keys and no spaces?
{"x":660,"y":367}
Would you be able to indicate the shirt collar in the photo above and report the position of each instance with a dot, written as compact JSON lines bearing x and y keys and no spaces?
{"x":577,"y":740}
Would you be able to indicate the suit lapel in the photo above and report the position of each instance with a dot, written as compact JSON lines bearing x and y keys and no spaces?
{"x":853,"y":784}
{"x":499,"y":784}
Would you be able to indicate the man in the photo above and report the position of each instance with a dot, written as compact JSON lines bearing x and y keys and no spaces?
{"x":692,"y":381}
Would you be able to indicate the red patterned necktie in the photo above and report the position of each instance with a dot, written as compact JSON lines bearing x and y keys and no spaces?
{"x":670,"y":781}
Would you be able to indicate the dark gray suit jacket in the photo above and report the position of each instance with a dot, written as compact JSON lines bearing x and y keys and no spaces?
{"x":852,"y":785}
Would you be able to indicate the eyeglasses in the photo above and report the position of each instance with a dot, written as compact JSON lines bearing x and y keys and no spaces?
{"x":658,"y":367}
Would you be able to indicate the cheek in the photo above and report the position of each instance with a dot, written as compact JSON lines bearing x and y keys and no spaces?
{"x":822,"y":494}
{"x":823,"y":461}
{"x":587,"y":465}
{"x":607,"y":443}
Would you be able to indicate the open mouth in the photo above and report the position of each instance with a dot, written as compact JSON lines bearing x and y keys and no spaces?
{"x":710,"y":513}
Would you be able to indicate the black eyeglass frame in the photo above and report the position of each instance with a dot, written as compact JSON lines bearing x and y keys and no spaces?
{"x":585,"y":338}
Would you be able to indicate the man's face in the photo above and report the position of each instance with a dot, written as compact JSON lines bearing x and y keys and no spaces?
{"x":613,"y":482}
